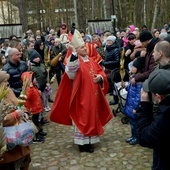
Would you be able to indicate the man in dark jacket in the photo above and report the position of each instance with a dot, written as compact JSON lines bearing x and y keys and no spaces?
{"x":149,"y":42}
{"x":59,"y":68}
{"x":153,"y":129}
{"x":129,"y":48}
{"x":15,"y":67}
{"x":161,"y":54}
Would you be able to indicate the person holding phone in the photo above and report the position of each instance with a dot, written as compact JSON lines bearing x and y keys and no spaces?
{"x":153,"y":128}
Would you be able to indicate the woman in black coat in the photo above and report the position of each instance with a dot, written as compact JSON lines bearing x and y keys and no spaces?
{"x":39,"y":47}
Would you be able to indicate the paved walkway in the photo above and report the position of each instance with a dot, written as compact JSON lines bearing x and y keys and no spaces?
{"x":112,"y":153}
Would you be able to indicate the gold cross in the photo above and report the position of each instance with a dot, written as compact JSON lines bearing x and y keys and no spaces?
{"x":91,"y":71}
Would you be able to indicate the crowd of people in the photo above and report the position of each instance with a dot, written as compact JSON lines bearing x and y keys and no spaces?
{"x":81,"y":62}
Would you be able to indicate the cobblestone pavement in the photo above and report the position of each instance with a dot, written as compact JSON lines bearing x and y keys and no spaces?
{"x":59,"y":152}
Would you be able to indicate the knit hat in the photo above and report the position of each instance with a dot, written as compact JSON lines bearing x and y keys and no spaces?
{"x":145,"y":36}
{"x":32,"y":54}
{"x":52,"y":38}
{"x":144,"y":26}
{"x":88,"y":38}
{"x":132,"y":28}
{"x":139,"y":63}
{"x":163,"y":35}
{"x":111,"y":38}
{"x":24,"y":41}
{"x":27,"y":75}
{"x":158,"y":82}
{"x":4,"y":76}
{"x":131,"y":36}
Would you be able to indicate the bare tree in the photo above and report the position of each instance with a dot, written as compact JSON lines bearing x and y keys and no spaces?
{"x":105,"y":9}
{"x":75,"y":13}
{"x":155,"y":14}
{"x":53,"y":12}
{"x":3,"y":13}
{"x":22,"y":15}
{"x":144,"y":11}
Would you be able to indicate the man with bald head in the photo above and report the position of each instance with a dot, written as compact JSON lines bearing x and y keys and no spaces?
{"x":15,"y":67}
{"x":161,"y":54}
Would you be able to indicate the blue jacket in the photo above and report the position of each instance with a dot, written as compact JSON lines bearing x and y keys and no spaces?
{"x":132,"y":99}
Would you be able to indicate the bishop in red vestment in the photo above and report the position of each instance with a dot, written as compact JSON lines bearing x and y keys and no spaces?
{"x":80,"y":99}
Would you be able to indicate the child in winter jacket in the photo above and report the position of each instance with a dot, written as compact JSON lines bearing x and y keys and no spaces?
{"x":133,"y":99}
{"x":40,"y":74}
{"x":34,"y":104}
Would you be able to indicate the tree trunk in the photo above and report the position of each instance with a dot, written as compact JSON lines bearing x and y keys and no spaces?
{"x":22,"y":15}
{"x":144,"y":12}
{"x":131,"y":7}
{"x":3,"y":14}
{"x":75,"y":13}
{"x":38,"y":15}
{"x":92,"y":11}
{"x":155,"y":14}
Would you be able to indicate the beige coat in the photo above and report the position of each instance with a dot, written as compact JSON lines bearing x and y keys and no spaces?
{"x":19,"y":151}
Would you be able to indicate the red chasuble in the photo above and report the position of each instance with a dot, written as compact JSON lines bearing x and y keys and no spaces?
{"x":93,"y":53}
{"x":82,"y":101}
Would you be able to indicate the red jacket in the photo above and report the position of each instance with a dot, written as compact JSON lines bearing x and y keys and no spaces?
{"x":34,"y":101}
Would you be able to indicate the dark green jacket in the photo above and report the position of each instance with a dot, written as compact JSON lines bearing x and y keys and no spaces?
{"x":40,"y":73}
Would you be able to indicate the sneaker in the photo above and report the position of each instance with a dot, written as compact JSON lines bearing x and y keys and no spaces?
{"x":48,"y":108}
{"x":129,"y":139}
{"x":40,"y":137}
{"x":42,"y":133}
{"x":50,"y":100}
{"x":38,"y":140}
{"x":134,"y":141}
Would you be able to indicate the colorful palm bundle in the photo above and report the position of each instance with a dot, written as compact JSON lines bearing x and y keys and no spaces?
{"x":4,"y":90}
{"x":22,"y":98}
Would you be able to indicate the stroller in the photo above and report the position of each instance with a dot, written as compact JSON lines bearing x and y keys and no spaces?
{"x":118,"y":75}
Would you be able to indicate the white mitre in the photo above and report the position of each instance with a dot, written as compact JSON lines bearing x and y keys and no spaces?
{"x":77,"y":40}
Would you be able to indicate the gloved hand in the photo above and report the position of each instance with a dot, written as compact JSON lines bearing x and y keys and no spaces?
{"x":104,"y":63}
{"x":73,"y":58}
{"x":22,"y":115}
{"x":64,"y":52}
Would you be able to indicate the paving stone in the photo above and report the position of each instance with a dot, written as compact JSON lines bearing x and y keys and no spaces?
{"x":59,"y":152}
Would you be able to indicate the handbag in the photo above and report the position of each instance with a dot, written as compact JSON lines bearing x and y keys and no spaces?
{"x":21,"y":134}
